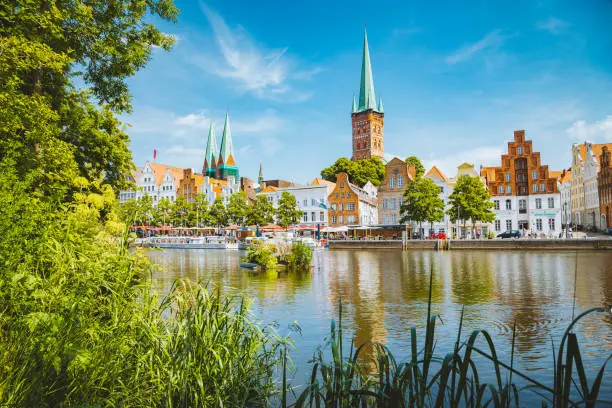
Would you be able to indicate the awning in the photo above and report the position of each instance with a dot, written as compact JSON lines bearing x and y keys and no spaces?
{"x":337,"y":229}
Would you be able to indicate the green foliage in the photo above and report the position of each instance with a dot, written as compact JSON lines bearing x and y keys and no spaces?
{"x":470,"y":200}
{"x":288,"y":212}
{"x":262,"y":212}
{"x":421,"y":202}
{"x":261,"y":254}
{"x":418,"y":166}
{"x":359,"y":172}
{"x":301,"y":257}
{"x":238,"y":209}
{"x":218,"y":213}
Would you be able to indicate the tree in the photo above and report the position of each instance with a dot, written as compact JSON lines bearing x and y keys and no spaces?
{"x":359,"y":172}
{"x":418,"y":166}
{"x":238,"y":209}
{"x":288,"y":212}
{"x":218,"y":213}
{"x":470,"y":200}
{"x":180,"y":213}
{"x":162,"y":212}
{"x":262,"y":212}
{"x":199,"y":211}
{"x":421,"y":202}
{"x":144,"y":210}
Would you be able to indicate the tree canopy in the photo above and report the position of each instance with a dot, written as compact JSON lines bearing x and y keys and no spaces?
{"x":418,"y":166}
{"x":470,"y":200}
{"x":288,"y":212}
{"x":238,"y":209}
{"x":421,"y":202}
{"x":359,"y":172}
{"x":218,"y":213}
{"x":262,"y":211}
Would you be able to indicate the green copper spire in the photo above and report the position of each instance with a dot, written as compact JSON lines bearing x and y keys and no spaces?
{"x":210,"y":157}
{"x":367,"y":99}
{"x":260,"y":179}
{"x":226,"y":141}
{"x":354,"y":105}
{"x":380,"y":105}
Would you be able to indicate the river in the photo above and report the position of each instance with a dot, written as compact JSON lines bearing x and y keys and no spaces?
{"x":384,"y":293}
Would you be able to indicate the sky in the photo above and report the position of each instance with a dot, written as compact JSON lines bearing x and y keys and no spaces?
{"x":456,"y":78}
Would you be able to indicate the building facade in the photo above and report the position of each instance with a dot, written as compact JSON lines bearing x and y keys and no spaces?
{"x":604,"y":184}
{"x":352,"y":205}
{"x":564,"y":184}
{"x":367,"y":117}
{"x":524,"y":191}
{"x":391,"y":192}
{"x":155,"y":180}
{"x":190,"y":185}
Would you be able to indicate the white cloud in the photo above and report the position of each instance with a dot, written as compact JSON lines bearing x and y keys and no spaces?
{"x":553,"y":25}
{"x":267,"y":73}
{"x":468,"y":51}
{"x":596,"y":131}
{"x":196,"y":120}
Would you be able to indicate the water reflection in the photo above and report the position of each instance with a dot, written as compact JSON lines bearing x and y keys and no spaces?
{"x":384,"y":293}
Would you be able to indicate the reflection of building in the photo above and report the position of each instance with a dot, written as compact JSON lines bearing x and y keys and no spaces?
{"x":351,"y":205}
{"x":524,"y":191}
{"x":390,"y":193}
{"x":311,"y":200}
{"x":584,"y":192}
{"x":604,"y":183}
{"x":367,"y":118}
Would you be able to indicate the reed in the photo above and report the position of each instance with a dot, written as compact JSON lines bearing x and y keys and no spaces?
{"x":426,"y":378}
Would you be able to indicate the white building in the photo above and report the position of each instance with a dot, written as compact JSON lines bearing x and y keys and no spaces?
{"x":156,"y":180}
{"x":312,"y":200}
{"x":564,"y":184}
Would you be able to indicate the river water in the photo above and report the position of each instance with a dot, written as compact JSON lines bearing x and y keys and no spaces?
{"x":384,"y":294}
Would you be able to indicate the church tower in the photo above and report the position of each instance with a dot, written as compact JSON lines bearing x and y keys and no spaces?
{"x":210,"y":157}
{"x":226,"y":165}
{"x":367,"y":117}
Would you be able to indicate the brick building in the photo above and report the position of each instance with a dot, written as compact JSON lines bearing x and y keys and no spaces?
{"x":367,"y":117}
{"x":190,"y":185}
{"x":352,"y":205}
{"x":524,"y":191}
{"x":390,"y":193}
{"x":604,"y":184}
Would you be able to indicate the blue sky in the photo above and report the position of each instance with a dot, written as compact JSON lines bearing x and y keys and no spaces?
{"x":456,"y":79}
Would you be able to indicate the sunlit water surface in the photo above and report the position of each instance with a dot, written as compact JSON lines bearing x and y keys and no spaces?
{"x":384,"y":294}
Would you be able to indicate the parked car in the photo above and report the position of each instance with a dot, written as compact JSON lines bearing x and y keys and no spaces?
{"x":510,"y":234}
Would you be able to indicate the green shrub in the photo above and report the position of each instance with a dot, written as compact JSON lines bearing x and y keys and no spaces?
{"x":301,"y":257}
{"x":262,"y":254}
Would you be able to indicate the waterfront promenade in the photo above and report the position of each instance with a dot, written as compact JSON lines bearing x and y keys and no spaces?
{"x":488,"y":244}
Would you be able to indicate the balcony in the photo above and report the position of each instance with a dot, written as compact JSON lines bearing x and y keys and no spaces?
{"x":522,"y":211}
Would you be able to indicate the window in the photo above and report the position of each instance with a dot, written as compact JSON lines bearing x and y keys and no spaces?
{"x":522,"y":204}
{"x":539,"y":224}
{"x":535,"y":188}
{"x":534,"y":175}
{"x":336,"y":195}
{"x":508,"y":190}
{"x":496,"y":202}
{"x":501,"y":189}
{"x":400,"y":182}
{"x":341,"y":220}
{"x":333,"y":207}
{"x":551,"y":202}
{"x":508,"y":205}
{"x":342,"y":184}
{"x":508,"y":225}
{"x":538,"y":203}
{"x":321,"y":216}
{"x":341,"y":207}
{"x":313,"y":216}
{"x":306,"y":202}
{"x":348,"y":194}
{"x":305,"y":217}
{"x":441,"y":189}
{"x":497,"y":225}
{"x":508,"y":177}
{"x":392,"y":182}
{"x":551,"y":224}
{"x":520,"y":150}
{"x":385,"y":204}
{"x":334,"y":219}
{"x":385,"y":219}
{"x":350,"y":219}
{"x":393,"y":203}
{"x":350,"y":207}
{"x":342,"y":195}
{"x":270,"y":199}
{"x":542,"y":188}
{"x":313,"y":202}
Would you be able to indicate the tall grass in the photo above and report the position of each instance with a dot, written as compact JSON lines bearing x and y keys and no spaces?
{"x":454,"y":379}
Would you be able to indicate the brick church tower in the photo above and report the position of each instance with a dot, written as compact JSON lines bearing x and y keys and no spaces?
{"x":367,"y":118}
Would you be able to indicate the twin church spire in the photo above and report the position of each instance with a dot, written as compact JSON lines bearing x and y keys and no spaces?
{"x":223,"y":165}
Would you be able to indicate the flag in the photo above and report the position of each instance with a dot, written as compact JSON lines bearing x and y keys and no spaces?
{"x":154,"y":154}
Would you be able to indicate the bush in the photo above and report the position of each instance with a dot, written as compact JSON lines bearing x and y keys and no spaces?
{"x":301,"y":256}
{"x":262,"y":254}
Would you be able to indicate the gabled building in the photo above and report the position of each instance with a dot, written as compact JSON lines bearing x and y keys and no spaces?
{"x":525,"y":192}
{"x":604,"y":184}
{"x":390,"y":193}
{"x":564,"y":184}
{"x":367,"y":117}
{"x":190,"y":185}
{"x":352,"y":205}
{"x":156,"y":180}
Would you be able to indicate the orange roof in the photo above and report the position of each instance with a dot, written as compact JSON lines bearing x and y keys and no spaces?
{"x":566,"y":176}
{"x":321,"y":182}
{"x":231,"y":161}
{"x":554,"y":174}
{"x":597,"y":148}
{"x":160,"y":172}
{"x":435,"y":172}
{"x":198,"y":178}
{"x":269,"y":189}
